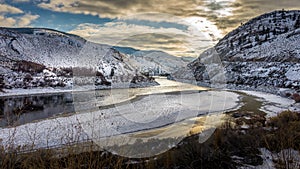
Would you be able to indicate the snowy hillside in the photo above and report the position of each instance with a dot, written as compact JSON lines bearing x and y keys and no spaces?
{"x":262,"y":54}
{"x":270,"y":37}
{"x":43,"y":57}
{"x":154,"y":62}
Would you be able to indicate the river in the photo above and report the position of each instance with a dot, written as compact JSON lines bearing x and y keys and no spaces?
{"x":159,"y":115}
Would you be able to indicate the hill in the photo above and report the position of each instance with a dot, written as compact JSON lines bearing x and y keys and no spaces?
{"x":262,"y":54}
{"x":36,"y":57}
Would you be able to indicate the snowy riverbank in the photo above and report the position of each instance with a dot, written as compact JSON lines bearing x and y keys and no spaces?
{"x":148,"y":112}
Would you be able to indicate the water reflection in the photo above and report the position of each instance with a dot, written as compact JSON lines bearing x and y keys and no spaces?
{"x":19,"y":110}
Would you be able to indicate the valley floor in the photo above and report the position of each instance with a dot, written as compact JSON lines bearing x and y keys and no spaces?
{"x":145,"y":122}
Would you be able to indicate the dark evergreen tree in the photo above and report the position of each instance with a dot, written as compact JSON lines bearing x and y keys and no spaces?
{"x":264,"y":30}
{"x":268,"y":30}
{"x":286,"y":29}
{"x":1,"y":82}
{"x":112,"y":73}
{"x":283,"y":14}
{"x":231,"y":44}
{"x":274,"y":31}
{"x":256,"y":38}
{"x":294,"y":17}
{"x":297,"y":23}
{"x":240,"y":41}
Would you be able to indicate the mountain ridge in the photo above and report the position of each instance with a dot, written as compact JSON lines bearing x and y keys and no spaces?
{"x":262,"y":54}
{"x":61,"y":55}
{"x":154,"y":62}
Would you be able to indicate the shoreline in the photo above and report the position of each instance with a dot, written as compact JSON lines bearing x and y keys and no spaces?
{"x":50,"y":90}
{"x":133,"y":122}
{"x":111,"y":118}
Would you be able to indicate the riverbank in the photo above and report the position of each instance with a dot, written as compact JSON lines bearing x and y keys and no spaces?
{"x":51,"y":90}
{"x":165,"y":119}
{"x":125,"y":111}
{"x":152,"y":111}
{"x":231,"y":145}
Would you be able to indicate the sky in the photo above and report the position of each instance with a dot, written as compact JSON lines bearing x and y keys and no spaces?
{"x":181,"y":28}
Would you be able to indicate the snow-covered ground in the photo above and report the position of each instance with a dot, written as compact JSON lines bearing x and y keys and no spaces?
{"x":45,"y":90}
{"x":273,"y":104}
{"x":148,"y":112}
{"x":153,"y":107}
{"x":156,"y":62}
{"x":289,"y":156}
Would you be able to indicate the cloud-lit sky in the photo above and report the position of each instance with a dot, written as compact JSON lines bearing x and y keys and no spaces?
{"x":181,"y":28}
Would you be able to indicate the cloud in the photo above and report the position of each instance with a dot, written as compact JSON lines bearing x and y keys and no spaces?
{"x":9,"y":9}
{"x":115,"y":32}
{"x":151,"y":10}
{"x":21,"y":21}
{"x":176,"y":41}
{"x":18,"y":1}
{"x":10,"y":17}
{"x":175,"y":45}
{"x":120,"y":8}
{"x":200,"y":33}
{"x":26,"y":20}
{"x":7,"y":22}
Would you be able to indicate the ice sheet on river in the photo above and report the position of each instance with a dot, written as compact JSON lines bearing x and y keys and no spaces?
{"x":143,"y":113}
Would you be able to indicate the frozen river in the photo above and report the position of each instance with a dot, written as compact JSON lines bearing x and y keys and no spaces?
{"x":116,"y":118}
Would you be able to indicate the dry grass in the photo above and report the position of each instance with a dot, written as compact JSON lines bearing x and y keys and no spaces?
{"x":217,"y":152}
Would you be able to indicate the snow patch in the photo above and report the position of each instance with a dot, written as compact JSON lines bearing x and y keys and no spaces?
{"x":272,"y":104}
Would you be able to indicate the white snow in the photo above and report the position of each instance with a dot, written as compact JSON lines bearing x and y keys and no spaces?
{"x":289,"y":156}
{"x":48,"y":73}
{"x":268,"y":163}
{"x":272,"y":104}
{"x":293,"y":73}
{"x":156,"y":62}
{"x":147,"y":113}
{"x":245,"y":126}
{"x":58,"y":50}
{"x":45,"y":90}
